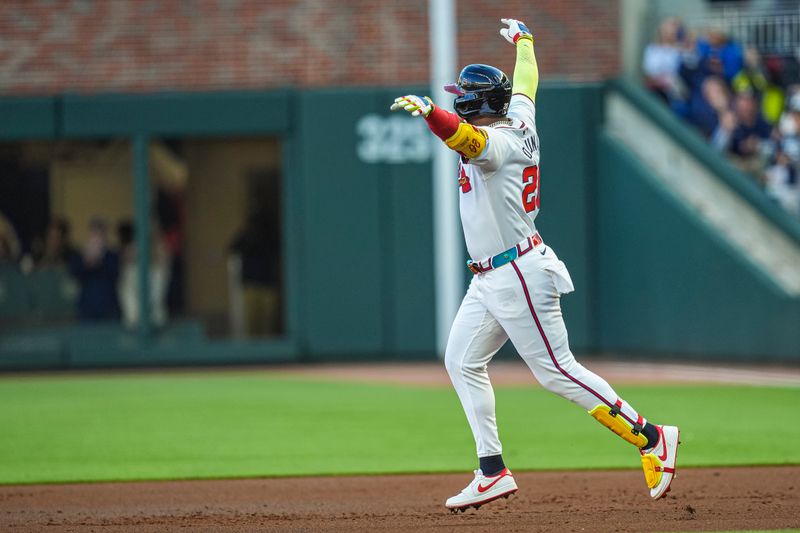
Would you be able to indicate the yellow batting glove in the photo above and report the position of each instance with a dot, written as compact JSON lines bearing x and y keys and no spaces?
{"x":413,"y":104}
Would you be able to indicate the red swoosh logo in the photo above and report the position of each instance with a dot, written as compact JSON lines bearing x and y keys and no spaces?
{"x":662,"y":456}
{"x":481,"y":488}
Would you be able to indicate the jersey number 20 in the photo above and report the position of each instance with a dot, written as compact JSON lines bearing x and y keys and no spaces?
{"x":531,"y":200}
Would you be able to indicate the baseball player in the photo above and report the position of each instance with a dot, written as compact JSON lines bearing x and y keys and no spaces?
{"x":518,"y":280}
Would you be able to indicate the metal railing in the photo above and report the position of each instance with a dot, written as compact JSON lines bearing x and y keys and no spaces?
{"x":773,"y":32}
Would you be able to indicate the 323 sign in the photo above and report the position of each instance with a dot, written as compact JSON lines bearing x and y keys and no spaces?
{"x":392,"y":139}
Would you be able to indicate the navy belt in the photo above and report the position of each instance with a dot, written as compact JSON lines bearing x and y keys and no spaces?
{"x":504,"y":258}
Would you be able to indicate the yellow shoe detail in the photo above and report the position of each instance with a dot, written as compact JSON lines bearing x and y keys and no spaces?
{"x":652,"y":469}
{"x":618,"y":425}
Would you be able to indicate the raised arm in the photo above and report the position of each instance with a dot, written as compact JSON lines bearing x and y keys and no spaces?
{"x":466,"y":139}
{"x":526,"y":72}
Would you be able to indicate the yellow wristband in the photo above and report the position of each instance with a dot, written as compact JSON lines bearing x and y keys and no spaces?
{"x":468,"y":140}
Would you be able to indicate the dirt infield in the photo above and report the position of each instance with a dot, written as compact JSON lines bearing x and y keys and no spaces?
{"x":701,"y":500}
{"x":516,"y":373}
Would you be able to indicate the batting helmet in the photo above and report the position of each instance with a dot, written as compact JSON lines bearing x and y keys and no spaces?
{"x":481,"y":90}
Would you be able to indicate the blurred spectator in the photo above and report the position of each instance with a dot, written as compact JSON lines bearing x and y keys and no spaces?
{"x":789,"y":129}
{"x":719,"y":55}
{"x":782,"y":184}
{"x":171,"y":213}
{"x":763,"y":81}
{"x":750,"y":138}
{"x":751,"y":79}
{"x":773,"y":99}
{"x":57,"y":251}
{"x":706,"y":106}
{"x":128,"y":287}
{"x":259,"y":250}
{"x":781,"y":179}
{"x":9,"y":243}
{"x":721,"y":138}
{"x":97,"y":270}
{"x":662,"y":60}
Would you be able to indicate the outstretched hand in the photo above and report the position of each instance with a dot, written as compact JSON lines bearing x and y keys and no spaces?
{"x":516,"y":30}
{"x":415,"y":105}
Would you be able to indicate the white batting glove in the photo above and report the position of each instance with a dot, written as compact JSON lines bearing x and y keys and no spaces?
{"x":516,"y":30}
{"x":415,"y":105}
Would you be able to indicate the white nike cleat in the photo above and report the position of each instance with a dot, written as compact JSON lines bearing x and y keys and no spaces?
{"x":658,"y":462}
{"x":482,"y":490}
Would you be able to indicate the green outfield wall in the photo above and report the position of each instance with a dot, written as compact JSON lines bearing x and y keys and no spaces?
{"x":358,"y":235}
{"x":668,"y":284}
{"x":367,"y":227}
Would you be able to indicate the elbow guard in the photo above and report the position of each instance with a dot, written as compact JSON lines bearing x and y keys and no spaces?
{"x":468,"y":140}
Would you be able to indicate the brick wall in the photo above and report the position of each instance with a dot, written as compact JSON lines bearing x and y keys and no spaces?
{"x":51,"y":46}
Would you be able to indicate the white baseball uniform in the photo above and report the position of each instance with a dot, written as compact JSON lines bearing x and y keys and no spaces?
{"x":520,"y":300}
{"x":516,"y":290}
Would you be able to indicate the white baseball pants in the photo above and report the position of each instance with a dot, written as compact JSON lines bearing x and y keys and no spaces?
{"x":521,"y":302}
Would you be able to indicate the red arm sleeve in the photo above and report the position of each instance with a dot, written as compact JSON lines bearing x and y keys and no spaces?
{"x":442,"y":123}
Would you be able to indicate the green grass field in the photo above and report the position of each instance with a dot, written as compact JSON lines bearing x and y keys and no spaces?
{"x":209,"y":425}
